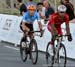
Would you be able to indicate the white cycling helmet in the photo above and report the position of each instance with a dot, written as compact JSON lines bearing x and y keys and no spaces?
{"x":62,"y":8}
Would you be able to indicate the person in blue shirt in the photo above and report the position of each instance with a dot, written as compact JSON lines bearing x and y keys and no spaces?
{"x":29,"y":17}
{"x":49,"y":9}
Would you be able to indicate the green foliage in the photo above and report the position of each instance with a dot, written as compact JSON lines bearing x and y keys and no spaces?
{"x":9,"y":11}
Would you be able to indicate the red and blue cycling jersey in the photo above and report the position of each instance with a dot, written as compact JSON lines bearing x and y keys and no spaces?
{"x":57,"y":21}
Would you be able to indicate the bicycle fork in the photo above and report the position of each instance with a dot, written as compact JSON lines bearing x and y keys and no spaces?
{"x":56,"y":52}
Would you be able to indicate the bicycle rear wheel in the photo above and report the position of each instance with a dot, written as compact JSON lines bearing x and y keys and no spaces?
{"x":23,"y":50}
{"x":33,"y":51}
{"x":61,"y":56}
{"x":49,"y":57}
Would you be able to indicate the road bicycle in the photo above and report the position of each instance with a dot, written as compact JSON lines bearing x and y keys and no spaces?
{"x":59,"y":53}
{"x":29,"y":47}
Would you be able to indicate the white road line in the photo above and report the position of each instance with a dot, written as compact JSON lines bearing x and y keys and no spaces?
{"x":11,"y":48}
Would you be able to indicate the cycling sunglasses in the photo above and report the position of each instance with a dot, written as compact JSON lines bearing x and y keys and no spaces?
{"x":61,"y":12}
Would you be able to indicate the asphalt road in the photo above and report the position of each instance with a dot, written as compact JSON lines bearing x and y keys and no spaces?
{"x":10,"y":57}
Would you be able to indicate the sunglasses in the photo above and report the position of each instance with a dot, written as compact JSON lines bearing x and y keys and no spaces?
{"x":61,"y":12}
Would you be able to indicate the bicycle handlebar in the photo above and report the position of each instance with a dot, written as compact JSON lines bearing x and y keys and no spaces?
{"x":60,"y":36}
{"x":31,"y":31}
{"x":34,"y":32}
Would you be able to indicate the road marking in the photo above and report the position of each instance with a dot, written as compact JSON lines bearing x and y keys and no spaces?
{"x":11,"y":48}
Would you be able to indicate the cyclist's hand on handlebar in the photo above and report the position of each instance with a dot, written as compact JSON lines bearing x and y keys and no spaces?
{"x":69,"y":37}
{"x":54,"y":36}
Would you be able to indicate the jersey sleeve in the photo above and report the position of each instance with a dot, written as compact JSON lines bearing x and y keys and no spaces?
{"x":24,"y":18}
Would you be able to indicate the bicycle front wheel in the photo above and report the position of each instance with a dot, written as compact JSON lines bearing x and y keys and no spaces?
{"x":23,"y":50}
{"x":62,"y":56}
{"x":49,"y":57}
{"x":34,"y":51}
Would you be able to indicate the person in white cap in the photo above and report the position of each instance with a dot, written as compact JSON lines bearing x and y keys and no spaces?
{"x":54,"y":24}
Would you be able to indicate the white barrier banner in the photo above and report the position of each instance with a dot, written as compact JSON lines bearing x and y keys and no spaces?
{"x":9,"y":28}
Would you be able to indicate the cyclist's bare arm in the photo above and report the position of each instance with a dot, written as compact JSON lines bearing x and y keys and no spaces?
{"x":25,"y":27}
{"x":40,"y":25}
{"x":67,"y":29}
{"x":53,"y":29}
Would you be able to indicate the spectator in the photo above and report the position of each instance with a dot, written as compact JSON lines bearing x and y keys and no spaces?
{"x":41,"y":10}
{"x":30,"y":2}
{"x":49,"y":9}
{"x":22,"y":7}
{"x":70,"y":8}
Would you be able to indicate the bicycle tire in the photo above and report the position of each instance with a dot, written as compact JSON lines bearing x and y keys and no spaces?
{"x":64,"y":57}
{"x":49,"y":62}
{"x":33,"y":43}
{"x":23,"y":50}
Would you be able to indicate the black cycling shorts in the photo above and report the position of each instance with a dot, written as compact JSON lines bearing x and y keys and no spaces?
{"x":30,"y":26}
